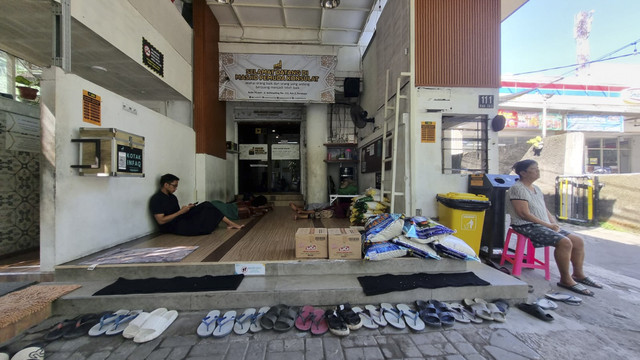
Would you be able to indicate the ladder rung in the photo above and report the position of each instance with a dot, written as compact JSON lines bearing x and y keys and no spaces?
{"x":388,"y":160}
{"x":391,"y":107}
{"x":402,"y":96}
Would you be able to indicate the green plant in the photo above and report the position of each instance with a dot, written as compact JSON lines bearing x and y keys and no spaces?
{"x":26,"y":82}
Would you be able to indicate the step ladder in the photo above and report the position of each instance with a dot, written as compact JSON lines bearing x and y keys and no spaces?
{"x":393,"y":137}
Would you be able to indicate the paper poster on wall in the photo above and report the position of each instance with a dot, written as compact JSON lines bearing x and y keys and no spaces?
{"x":285,"y":152}
{"x":277,"y":78}
{"x":253,"y":152}
{"x":91,"y":105}
{"x":428,"y":132}
{"x":21,"y":124}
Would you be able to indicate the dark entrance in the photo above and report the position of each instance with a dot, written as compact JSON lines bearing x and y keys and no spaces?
{"x":269,"y":159}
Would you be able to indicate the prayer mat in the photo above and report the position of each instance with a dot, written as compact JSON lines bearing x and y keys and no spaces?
{"x":143,"y":255}
{"x":375,"y":285}
{"x":124,"y":286}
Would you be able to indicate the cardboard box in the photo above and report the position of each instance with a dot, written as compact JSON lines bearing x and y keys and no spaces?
{"x":344,"y":244}
{"x":311,"y":243}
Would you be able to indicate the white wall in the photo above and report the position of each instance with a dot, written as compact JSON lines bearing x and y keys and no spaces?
{"x":426,"y":164}
{"x":83,"y":214}
{"x":212,"y":179}
{"x":120,"y":23}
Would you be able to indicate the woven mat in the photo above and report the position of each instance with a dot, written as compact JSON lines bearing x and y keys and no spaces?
{"x":21,"y":303}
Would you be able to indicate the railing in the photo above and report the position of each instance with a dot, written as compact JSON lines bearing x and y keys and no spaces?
{"x":577,"y":199}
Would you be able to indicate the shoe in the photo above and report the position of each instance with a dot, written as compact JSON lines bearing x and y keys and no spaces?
{"x":352,"y":319}
{"x":337,"y":326}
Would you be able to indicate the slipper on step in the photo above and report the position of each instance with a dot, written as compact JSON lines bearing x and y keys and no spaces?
{"x":105,"y":322}
{"x":577,"y":288}
{"x":376,"y":315}
{"x":503,"y":305}
{"x":349,"y":316}
{"x":31,"y":352}
{"x":224,"y":324}
{"x":589,"y":282}
{"x":566,"y":298}
{"x":367,"y":321}
{"x":155,"y":326}
{"x":243,"y":322}
{"x":336,"y":323}
{"x":305,"y":318}
{"x":136,"y":324}
{"x":255,"y":319}
{"x":458,"y":314}
{"x":535,"y":310}
{"x":271,"y":316}
{"x":61,"y":328}
{"x":122,"y":322}
{"x":546,"y":304}
{"x":393,"y":316}
{"x":411,"y":317}
{"x":319,"y":324}
{"x":83,"y":325}
{"x":286,"y":319}
{"x":208,"y":323}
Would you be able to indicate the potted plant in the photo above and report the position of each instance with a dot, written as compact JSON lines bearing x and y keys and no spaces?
{"x":30,"y":89}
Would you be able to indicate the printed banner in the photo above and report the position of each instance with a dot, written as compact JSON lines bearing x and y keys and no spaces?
{"x":277,"y":78}
{"x":253,"y":152}
{"x":285,"y":152}
{"x":530,"y":120}
{"x":612,"y":123}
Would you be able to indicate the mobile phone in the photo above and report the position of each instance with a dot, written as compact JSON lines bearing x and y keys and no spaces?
{"x":195,"y":203}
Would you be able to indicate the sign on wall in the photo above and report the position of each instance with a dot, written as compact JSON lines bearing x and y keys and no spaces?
{"x":253,"y":152}
{"x":530,"y":120}
{"x":285,"y":152}
{"x":91,"y":107}
{"x":152,"y":57}
{"x":129,"y":159}
{"x":277,"y":78}
{"x":612,"y":123}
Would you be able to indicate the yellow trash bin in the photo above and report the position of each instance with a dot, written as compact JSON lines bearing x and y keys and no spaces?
{"x":464,"y":213}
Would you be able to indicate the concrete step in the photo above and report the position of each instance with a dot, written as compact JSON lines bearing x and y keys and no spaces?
{"x":298,"y":285}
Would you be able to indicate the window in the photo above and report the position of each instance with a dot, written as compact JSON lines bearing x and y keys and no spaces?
{"x":464,"y":144}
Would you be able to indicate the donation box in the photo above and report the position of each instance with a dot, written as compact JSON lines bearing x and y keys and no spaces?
{"x":109,"y":152}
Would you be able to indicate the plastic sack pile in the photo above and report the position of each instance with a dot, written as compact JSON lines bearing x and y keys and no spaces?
{"x":389,"y":236}
{"x":364,"y":207}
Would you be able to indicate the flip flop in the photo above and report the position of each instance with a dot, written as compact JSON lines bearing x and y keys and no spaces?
{"x":31,"y":352}
{"x":105,"y":322}
{"x":243,"y":322}
{"x":271,"y":316}
{"x":134,"y":326}
{"x":224,"y":324}
{"x":208,"y":324}
{"x":589,"y":282}
{"x":349,"y":316}
{"x":577,"y":288}
{"x":535,"y":310}
{"x":457,"y":310}
{"x":255,"y":319}
{"x":286,"y":319}
{"x":393,"y":316}
{"x":565,"y":298}
{"x":155,"y":326}
{"x":83,"y":325}
{"x":367,"y":321}
{"x":496,"y":314}
{"x":428,"y":314}
{"x":503,"y":305}
{"x":337,"y":325}
{"x":61,"y":328}
{"x":546,"y":304}
{"x":376,"y":315}
{"x":467,"y":313}
{"x":319,"y":324}
{"x":305,"y":318}
{"x":122,"y":322}
{"x":479,"y":309}
{"x":411,"y":317}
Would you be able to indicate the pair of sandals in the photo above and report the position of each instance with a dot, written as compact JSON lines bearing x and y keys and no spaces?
{"x":114,"y":323}
{"x":343,"y":319}
{"x":488,"y":310}
{"x":312,"y":319}
{"x":435,"y":313}
{"x":279,"y":318}
{"x":73,"y":328}
{"x":217,"y":326}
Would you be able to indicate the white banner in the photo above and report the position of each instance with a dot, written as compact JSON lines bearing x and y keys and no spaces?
{"x":285,"y":152}
{"x":277,"y":78}
{"x":253,"y":152}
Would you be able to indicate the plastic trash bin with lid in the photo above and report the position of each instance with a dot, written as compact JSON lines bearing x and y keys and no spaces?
{"x":464,"y":213}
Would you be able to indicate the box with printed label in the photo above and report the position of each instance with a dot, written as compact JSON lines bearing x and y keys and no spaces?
{"x":344,"y":243}
{"x":311,"y":243}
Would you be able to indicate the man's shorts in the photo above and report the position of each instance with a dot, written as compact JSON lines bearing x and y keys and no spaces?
{"x":540,"y":236}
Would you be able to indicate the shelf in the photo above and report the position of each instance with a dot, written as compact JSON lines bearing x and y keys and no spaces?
{"x":349,"y":145}
{"x":341,"y":161}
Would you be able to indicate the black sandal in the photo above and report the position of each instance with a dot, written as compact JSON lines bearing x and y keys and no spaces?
{"x":337,"y":326}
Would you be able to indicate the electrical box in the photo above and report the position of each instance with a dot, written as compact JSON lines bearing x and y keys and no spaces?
{"x":109,"y":152}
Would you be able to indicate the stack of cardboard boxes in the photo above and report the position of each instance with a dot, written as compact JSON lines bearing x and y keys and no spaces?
{"x":336,"y":243}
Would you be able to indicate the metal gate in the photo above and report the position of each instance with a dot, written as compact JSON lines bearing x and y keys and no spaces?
{"x":577,"y":199}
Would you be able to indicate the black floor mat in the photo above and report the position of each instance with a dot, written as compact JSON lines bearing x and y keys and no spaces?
{"x":374,"y":285}
{"x":124,"y":286}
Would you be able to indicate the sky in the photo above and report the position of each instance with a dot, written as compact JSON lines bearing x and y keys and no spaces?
{"x":539,"y":35}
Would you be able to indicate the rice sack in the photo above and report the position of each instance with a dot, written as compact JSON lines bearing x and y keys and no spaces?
{"x":383,"y":227}
{"x":383,"y":251}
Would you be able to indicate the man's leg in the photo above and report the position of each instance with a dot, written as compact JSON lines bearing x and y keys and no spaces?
{"x":231,"y":224}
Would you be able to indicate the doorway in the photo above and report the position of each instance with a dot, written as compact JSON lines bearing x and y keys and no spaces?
{"x":269,"y":159}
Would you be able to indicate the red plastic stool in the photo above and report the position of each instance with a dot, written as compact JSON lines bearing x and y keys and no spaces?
{"x":519,"y":259}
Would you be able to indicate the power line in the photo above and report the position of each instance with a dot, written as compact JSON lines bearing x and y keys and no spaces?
{"x":574,"y":65}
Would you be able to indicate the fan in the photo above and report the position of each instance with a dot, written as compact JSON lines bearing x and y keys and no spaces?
{"x":359,"y":116}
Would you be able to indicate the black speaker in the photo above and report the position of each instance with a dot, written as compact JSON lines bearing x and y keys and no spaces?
{"x":351,"y":87}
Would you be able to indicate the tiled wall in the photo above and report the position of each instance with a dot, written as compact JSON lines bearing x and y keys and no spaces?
{"x":19,"y":182}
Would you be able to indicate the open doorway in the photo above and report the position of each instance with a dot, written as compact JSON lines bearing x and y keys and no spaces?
{"x":269,"y":159}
